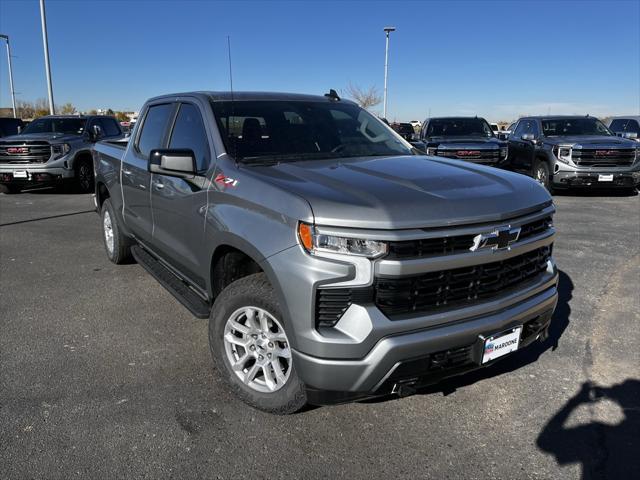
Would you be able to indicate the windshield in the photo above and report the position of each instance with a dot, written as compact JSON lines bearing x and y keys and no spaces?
{"x":56,"y":125}
{"x":459,"y":127}
{"x":267,"y":131}
{"x":561,"y":127}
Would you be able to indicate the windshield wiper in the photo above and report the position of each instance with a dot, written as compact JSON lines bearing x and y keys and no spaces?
{"x":285,"y":158}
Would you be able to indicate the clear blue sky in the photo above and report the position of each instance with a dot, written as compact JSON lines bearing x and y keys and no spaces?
{"x":496,"y":59}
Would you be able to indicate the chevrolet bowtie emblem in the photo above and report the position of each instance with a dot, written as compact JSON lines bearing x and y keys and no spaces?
{"x":499,"y":239}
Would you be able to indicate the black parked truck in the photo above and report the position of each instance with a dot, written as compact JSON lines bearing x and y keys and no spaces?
{"x":54,"y":149}
{"x":573,"y":151}
{"x":463,"y":138}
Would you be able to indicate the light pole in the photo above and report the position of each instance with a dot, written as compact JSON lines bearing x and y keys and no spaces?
{"x":45,"y":42}
{"x":13,"y":93}
{"x":387,"y":31}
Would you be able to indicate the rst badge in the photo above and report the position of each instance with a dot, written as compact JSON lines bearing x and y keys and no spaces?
{"x":499,"y":239}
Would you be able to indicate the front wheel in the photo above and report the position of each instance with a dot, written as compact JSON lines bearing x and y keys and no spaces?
{"x":84,"y":176}
{"x":251,"y":349}
{"x":542,"y":175}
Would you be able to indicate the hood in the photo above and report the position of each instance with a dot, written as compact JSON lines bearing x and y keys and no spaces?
{"x":405,"y":192}
{"x":589,"y":141}
{"x":455,"y":143}
{"x":39,"y":137}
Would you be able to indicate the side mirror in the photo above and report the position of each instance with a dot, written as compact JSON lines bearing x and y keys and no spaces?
{"x":19,"y":129}
{"x":173,"y":162}
{"x":95,"y":133}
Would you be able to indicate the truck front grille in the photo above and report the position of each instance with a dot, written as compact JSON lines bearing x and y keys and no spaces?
{"x":431,"y":247}
{"x":471,"y":154}
{"x":434,"y":291}
{"x":603,"y":157}
{"x":24,"y":152}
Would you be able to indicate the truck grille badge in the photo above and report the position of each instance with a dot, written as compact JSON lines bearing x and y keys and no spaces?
{"x":499,"y":239}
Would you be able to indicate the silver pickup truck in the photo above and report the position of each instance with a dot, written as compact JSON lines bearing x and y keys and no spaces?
{"x":333,"y":261}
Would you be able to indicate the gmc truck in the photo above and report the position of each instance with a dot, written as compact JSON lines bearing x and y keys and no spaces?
{"x":53,"y":150}
{"x":464,"y":138}
{"x":573,"y":151}
{"x":333,"y":262}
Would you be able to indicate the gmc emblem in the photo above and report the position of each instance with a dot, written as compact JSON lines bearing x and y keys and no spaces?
{"x":606,"y":153}
{"x":468,"y":153}
{"x":15,"y":150}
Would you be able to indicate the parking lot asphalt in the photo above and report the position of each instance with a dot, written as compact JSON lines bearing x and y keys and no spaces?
{"x":104,"y":375}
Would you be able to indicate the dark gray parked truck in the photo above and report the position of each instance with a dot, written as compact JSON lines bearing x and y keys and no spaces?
{"x":573,"y":151}
{"x":332,"y":261}
{"x":465,"y":138}
{"x":54,"y":149}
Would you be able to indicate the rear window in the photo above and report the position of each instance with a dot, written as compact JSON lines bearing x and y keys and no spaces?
{"x":154,"y":127}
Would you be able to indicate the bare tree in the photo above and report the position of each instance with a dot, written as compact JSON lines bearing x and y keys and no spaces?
{"x":365,"y":97}
{"x":67,"y":109}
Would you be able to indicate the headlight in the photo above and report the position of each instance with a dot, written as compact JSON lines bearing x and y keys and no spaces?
{"x":60,"y":150}
{"x":316,"y":243}
{"x":562,"y":153}
{"x":504,"y":151}
{"x":432,"y":151}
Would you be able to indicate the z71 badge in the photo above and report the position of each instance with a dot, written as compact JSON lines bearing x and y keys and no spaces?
{"x":224,"y":180}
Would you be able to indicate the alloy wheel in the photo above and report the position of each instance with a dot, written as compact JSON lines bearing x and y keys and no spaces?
{"x":257,"y":349}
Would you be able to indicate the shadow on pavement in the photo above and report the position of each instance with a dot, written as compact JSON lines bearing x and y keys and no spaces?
{"x":604,"y":450}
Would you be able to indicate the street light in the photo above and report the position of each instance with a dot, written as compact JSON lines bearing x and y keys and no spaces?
{"x":387,"y":31}
{"x":13,"y":93}
{"x":45,"y":43}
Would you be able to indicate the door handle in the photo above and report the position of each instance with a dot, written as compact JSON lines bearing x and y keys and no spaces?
{"x":158,"y":185}
{"x":127,"y":172}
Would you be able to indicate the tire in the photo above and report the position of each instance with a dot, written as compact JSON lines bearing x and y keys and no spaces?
{"x":542,"y":175}
{"x":116,"y":244}
{"x":85,"y":182}
{"x":279,"y":394}
{"x":10,"y":189}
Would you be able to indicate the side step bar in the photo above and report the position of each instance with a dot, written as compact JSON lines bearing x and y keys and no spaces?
{"x":176,"y":287}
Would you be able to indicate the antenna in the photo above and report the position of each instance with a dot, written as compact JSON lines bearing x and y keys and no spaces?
{"x":230,"y":71}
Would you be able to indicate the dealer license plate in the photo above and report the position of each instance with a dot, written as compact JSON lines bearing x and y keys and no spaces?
{"x":20,"y":174}
{"x":500,"y":344}
{"x":605,"y":178}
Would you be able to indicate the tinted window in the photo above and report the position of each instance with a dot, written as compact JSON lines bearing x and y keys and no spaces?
{"x":270,"y":131}
{"x":458,"y":127}
{"x":9,"y":126}
{"x":520,"y":129}
{"x":189,"y":132}
{"x":155,"y":124}
{"x":624,"y":125}
{"x":110,"y":127}
{"x":56,"y":125}
{"x":555,"y":127}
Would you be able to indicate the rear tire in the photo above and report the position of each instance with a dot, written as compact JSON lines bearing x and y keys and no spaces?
{"x":85,"y":182}
{"x":250,"y":347}
{"x":542,"y":175}
{"x":116,"y":244}
{"x":11,"y":189}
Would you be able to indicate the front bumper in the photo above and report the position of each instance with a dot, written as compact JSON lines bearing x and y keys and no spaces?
{"x":594,"y":179}
{"x":35,"y":174}
{"x":385,"y":366}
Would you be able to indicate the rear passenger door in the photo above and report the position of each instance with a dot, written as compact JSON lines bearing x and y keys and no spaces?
{"x":136,"y":179}
{"x":179,"y":204}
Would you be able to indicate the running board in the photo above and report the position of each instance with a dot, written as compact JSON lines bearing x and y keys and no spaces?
{"x":176,"y":287}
